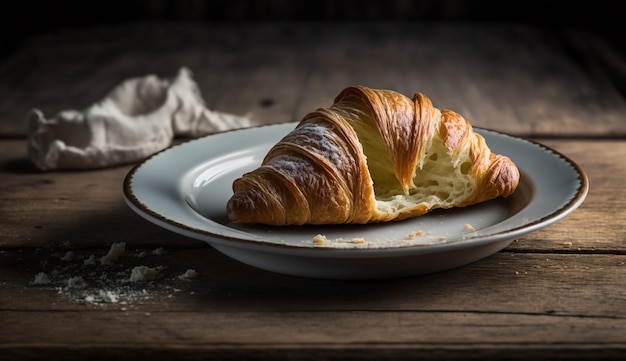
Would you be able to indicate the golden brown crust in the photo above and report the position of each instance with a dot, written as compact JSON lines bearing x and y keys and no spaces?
{"x":365,"y":158}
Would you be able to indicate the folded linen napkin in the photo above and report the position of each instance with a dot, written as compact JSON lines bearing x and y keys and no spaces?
{"x":137,"y":118}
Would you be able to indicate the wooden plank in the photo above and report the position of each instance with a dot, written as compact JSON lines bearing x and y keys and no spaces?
{"x":305,"y":328}
{"x":42,"y":209}
{"x":596,"y":226}
{"x":280,"y":72}
{"x":494,"y":306}
{"x":263,"y":75}
{"x":559,"y":285}
{"x":532,"y":87}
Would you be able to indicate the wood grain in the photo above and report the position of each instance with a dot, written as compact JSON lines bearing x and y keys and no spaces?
{"x":507,"y":282}
{"x":515,"y":79}
{"x":506,"y":302}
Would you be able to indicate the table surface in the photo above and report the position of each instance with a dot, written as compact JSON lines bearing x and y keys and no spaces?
{"x":559,"y":292}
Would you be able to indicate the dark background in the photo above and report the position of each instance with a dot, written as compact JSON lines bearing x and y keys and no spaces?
{"x":22,"y":19}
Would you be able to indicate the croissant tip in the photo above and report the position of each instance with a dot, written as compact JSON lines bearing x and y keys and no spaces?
{"x":506,"y":176}
{"x":248,"y":205}
{"x":241,"y":208}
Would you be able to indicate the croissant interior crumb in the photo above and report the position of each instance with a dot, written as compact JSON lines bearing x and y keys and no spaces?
{"x":440,"y":180}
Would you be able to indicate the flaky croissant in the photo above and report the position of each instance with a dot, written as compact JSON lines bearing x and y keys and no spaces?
{"x":373,"y":156}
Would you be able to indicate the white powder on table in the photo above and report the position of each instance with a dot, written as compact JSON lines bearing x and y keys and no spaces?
{"x":111,"y":279}
{"x":159,"y":251}
{"x":116,"y":251}
{"x":143,"y":273}
{"x":40,"y":279}
{"x":76,"y":282}
{"x":189,"y":274}
{"x":108,"y":296}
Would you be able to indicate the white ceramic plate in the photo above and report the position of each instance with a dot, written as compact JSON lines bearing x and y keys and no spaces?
{"x":185,"y":189}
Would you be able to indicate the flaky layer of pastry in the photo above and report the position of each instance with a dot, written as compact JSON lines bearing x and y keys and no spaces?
{"x":373,"y":156}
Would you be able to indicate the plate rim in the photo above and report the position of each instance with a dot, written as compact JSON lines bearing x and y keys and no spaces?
{"x":579,"y":195}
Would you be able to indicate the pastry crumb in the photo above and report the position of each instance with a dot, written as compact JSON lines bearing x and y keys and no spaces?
{"x":108,"y":296}
{"x":414,"y":234}
{"x":189,"y":274}
{"x":319,"y":239}
{"x":91,"y":261}
{"x":76,"y":282}
{"x":469,"y":227}
{"x":40,"y":279}
{"x":116,"y":251}
{"x":144,"y":273}
{"x":159,"y":251}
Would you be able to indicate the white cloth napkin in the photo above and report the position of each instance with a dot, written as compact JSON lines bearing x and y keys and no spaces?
{"x":137,"y":118}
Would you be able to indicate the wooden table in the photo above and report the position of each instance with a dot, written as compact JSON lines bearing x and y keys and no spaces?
{"x":557,"y":293}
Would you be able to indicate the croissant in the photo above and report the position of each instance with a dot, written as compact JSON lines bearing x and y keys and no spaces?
{"x":373,"y":156}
